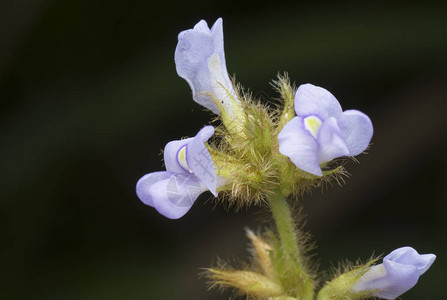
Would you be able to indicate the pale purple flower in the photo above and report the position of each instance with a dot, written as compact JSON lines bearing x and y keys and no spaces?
{"x":322,"y":131}
{"x":189,"y":172}
{"x":200,"y":60}
{"x":398,"y":273}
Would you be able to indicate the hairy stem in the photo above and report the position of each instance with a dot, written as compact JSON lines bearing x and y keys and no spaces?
{"x":297,"y":280}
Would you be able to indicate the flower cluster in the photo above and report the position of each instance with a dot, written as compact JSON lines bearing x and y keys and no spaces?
{"x":259,"y":154}
{"x":251,"y":156}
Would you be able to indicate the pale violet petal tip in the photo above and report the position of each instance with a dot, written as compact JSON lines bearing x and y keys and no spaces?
{"x":428,"y":260}
{"x":205,"y":133}
{"x":300,"y":146}
{"x":217,"y":26}
{"x":202,"y":25}
{"x":315,"y":100}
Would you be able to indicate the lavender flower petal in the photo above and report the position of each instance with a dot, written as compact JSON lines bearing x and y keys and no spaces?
{"x":330,"y":141}
{"x":357,"y":130}
{"x":314,"y":100}
{"x":200,"y":60}
{"x":300,"y":146}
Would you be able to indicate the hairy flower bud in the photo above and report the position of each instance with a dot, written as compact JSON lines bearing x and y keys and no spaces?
{"x":398,"y":273}
{"x":248,"y":283}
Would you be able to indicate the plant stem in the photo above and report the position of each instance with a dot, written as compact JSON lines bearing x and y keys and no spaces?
{"x":300,"y":282}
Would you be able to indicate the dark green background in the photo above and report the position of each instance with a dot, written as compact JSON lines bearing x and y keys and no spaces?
{"x":89,"y":95}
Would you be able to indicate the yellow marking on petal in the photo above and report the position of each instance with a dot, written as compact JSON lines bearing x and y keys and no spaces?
{"x":313,"y":124}
{"x":214,"y":63}
{"x":181,"y":158}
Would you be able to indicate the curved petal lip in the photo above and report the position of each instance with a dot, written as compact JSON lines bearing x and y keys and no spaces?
{"x":357,"y":130}
{"x":146,"y":182}
{"x":174,"y":196}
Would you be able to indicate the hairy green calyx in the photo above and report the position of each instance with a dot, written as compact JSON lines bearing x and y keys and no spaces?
{"x":246,"y":153}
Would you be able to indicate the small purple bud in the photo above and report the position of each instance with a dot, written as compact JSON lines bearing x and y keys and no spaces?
{"x":398,"y":273}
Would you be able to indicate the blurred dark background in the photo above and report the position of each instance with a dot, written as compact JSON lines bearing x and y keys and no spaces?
{"x":89,"y":95}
